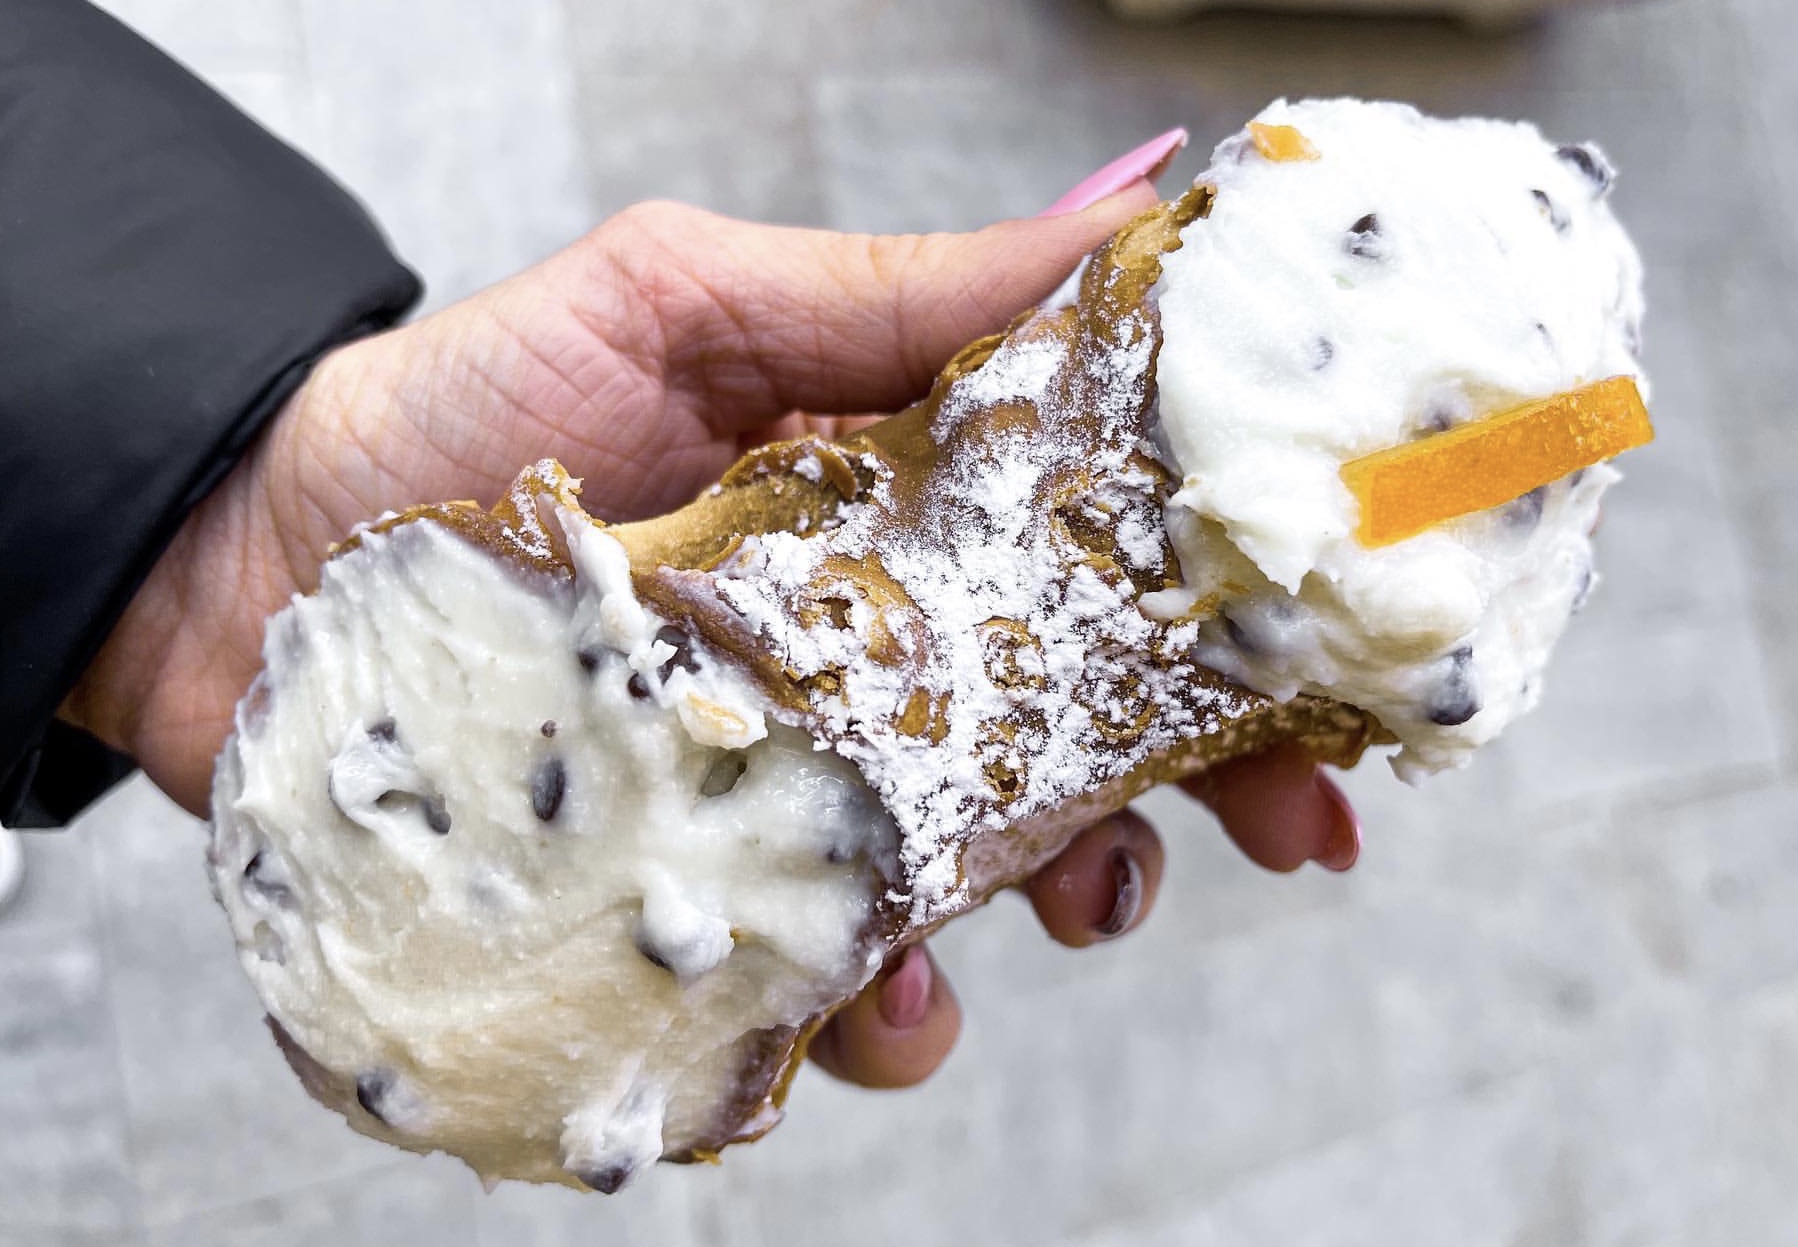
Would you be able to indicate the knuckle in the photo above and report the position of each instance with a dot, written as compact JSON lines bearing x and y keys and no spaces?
{"x":666,"y":253}
{"x":637,"y":243}
{"x":891,"y":260}
{"x":647,"y":220}
{"x":906,"y":270}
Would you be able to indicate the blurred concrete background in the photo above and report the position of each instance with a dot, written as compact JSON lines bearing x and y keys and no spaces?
{"x":1556,"y":1003}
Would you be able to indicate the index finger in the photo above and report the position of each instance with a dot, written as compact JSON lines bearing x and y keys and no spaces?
{"x":752,"y":321}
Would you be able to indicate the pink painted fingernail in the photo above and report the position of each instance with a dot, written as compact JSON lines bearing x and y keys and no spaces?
{"x":905,"y":996}
{"x":1143,"y":164}
{"x":1126,"y":883}
{"x":1344,"y":845}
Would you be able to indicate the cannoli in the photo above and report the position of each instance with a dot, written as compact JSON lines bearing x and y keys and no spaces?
{"x":549,"y":843}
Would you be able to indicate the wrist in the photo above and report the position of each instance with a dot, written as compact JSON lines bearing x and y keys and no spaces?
{"x":164,"y":684}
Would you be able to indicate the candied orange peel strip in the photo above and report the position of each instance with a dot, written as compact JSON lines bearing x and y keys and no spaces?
{"x":1282,"y":143}
{"x":1406,"y":489}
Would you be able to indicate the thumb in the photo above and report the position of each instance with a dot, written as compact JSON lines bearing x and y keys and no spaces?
{"x":752,"y":321}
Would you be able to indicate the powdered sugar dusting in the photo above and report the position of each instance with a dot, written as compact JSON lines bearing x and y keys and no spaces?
{"x":966,"y":640}
{"x":1019,"y":370}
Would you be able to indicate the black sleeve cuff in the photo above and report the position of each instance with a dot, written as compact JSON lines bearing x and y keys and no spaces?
{"x":61,"y":775}
{"x":169,"y":271}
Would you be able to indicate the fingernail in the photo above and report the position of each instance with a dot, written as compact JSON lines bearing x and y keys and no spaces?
{"x":905,"y":996}
{"x":1145,"y":163}
{"x":1126,"y":883}
{"x":1344,"y":845}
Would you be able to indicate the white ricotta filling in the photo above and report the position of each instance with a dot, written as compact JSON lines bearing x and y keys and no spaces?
{"x":521,"y":869}
{"x":1418,"y":274}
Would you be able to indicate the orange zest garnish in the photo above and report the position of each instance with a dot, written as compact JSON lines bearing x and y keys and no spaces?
{"x":1282,"y":143}
{"x":1491,"y":461}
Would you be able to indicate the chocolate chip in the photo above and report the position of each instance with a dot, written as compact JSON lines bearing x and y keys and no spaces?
{"x":1455,"y":701}
{"x":606,"y":1179}
{"x":265,"y":876}
{"x":724,"y":774}
{"x":1365,"y":240}
{"x":1526,"y":512}
{"x":1590,"y":164}
{"x":1238,"y":637}
{"x":650,"y":952}
{"x":372,"y":1090}
{"x":1453,"y":713}
{"x":548,"y":729}
{"x":637,"y":687}
{"x":682,"y":644}
{"x":1322,"y":352}
{"x":685,"y":952}
{"x":1557,"y":216}
{"x":430,"y":807}
{"x":253,"y":713}
{"x":1583,"y":593}
{"x":588,"y":658}
{"x":289,"y":638}
{"x":373,"y":780}
{"x":547,"y":788}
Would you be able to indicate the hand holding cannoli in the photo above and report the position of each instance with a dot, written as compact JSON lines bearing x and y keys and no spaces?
{"x":548,"y":843}
{"x":437,"y":410}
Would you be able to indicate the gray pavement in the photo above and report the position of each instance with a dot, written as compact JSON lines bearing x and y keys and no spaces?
{"x":1557,"y":1001}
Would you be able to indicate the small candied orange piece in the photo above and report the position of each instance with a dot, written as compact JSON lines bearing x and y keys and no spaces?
{"x":1282,"y":143}
{"x":1491,"y":461}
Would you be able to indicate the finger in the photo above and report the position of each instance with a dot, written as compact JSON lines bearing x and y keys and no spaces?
{"x":1282,"y":810}
{"x":751,"y":321}
{"x":793,"y":424}
{"x":1102,"y":885}
{"x":897,"y":1031}
{"x":841,"y":426}
{"x":804,"y":424}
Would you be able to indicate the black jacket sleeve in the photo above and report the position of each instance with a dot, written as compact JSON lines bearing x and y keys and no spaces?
{"x":168,"y":272}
